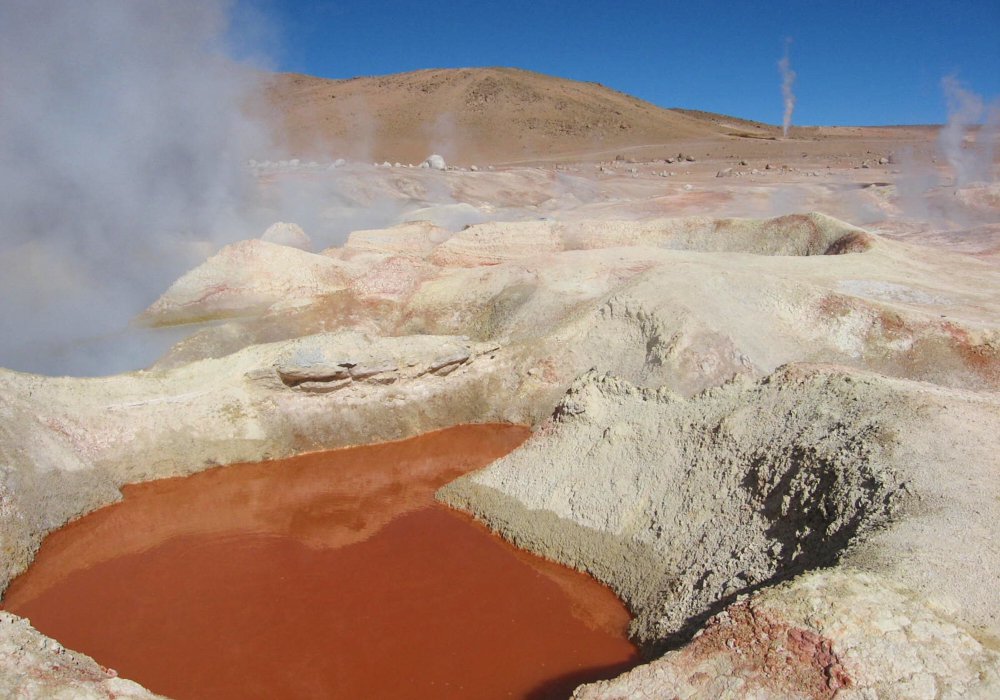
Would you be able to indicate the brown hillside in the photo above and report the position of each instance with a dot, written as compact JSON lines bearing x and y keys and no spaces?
{"x":476,"y":115}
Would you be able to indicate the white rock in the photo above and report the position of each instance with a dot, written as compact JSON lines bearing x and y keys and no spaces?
{"x":287,"y":234}
{"x":435,"y":161}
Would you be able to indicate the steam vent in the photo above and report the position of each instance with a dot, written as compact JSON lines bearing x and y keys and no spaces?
{"x":713,"y":418}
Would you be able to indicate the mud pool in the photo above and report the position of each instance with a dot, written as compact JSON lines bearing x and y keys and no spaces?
{"x":331,"y":574}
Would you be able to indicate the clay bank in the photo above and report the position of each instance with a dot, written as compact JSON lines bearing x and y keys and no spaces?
{"x":775,"y":439}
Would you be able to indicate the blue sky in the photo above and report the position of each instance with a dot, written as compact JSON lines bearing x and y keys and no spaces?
{"x":857,"y":62}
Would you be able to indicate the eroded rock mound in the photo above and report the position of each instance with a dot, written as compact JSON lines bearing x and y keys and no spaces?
{"x":244,"y":279}
{"x":287,"y":234}
{"x":682,"y":505}
{"x":707,"y":497}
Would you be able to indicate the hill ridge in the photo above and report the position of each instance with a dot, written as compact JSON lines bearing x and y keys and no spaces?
{"x":476,"y":114}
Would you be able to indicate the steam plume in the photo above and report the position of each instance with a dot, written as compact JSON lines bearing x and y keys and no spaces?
{"x":787,"y":96}
{"x":966,"y":108}
{"x":122,"y":138}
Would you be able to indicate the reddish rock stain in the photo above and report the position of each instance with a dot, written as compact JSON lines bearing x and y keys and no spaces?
{"x":770,"y":654}
{"x":329,"y":575}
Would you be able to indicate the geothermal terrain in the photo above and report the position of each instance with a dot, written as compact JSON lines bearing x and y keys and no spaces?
{"x":762,"y":372}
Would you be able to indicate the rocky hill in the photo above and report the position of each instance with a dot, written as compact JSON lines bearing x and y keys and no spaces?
{"x":482,"y":115}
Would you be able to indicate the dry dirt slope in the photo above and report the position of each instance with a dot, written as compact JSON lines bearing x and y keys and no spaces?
{"x":474,"y":115}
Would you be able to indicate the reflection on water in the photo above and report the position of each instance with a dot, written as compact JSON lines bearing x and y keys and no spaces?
{"x":332,"y":574}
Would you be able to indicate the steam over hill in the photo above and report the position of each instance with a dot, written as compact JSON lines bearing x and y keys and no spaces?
{"x":481,"y":115}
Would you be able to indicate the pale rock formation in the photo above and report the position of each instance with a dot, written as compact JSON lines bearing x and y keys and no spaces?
{"x":830,"y":634}
{"x":492,"y":243}
{"x":656,"y":309}
{"x":412,"y":237}
{"x":243,"y":279}
{"x":396,"y":278}
{"x":435,"y":162}
{"x":287,"y":234}
{"x":679,"y":505}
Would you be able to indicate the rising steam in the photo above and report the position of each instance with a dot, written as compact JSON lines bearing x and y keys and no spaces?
{"x":122,"y":138}
{"x":965,"y":109}
{"x":787,"y":96}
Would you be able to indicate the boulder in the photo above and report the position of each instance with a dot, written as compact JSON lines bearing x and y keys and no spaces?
{"x":435,"y":162}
